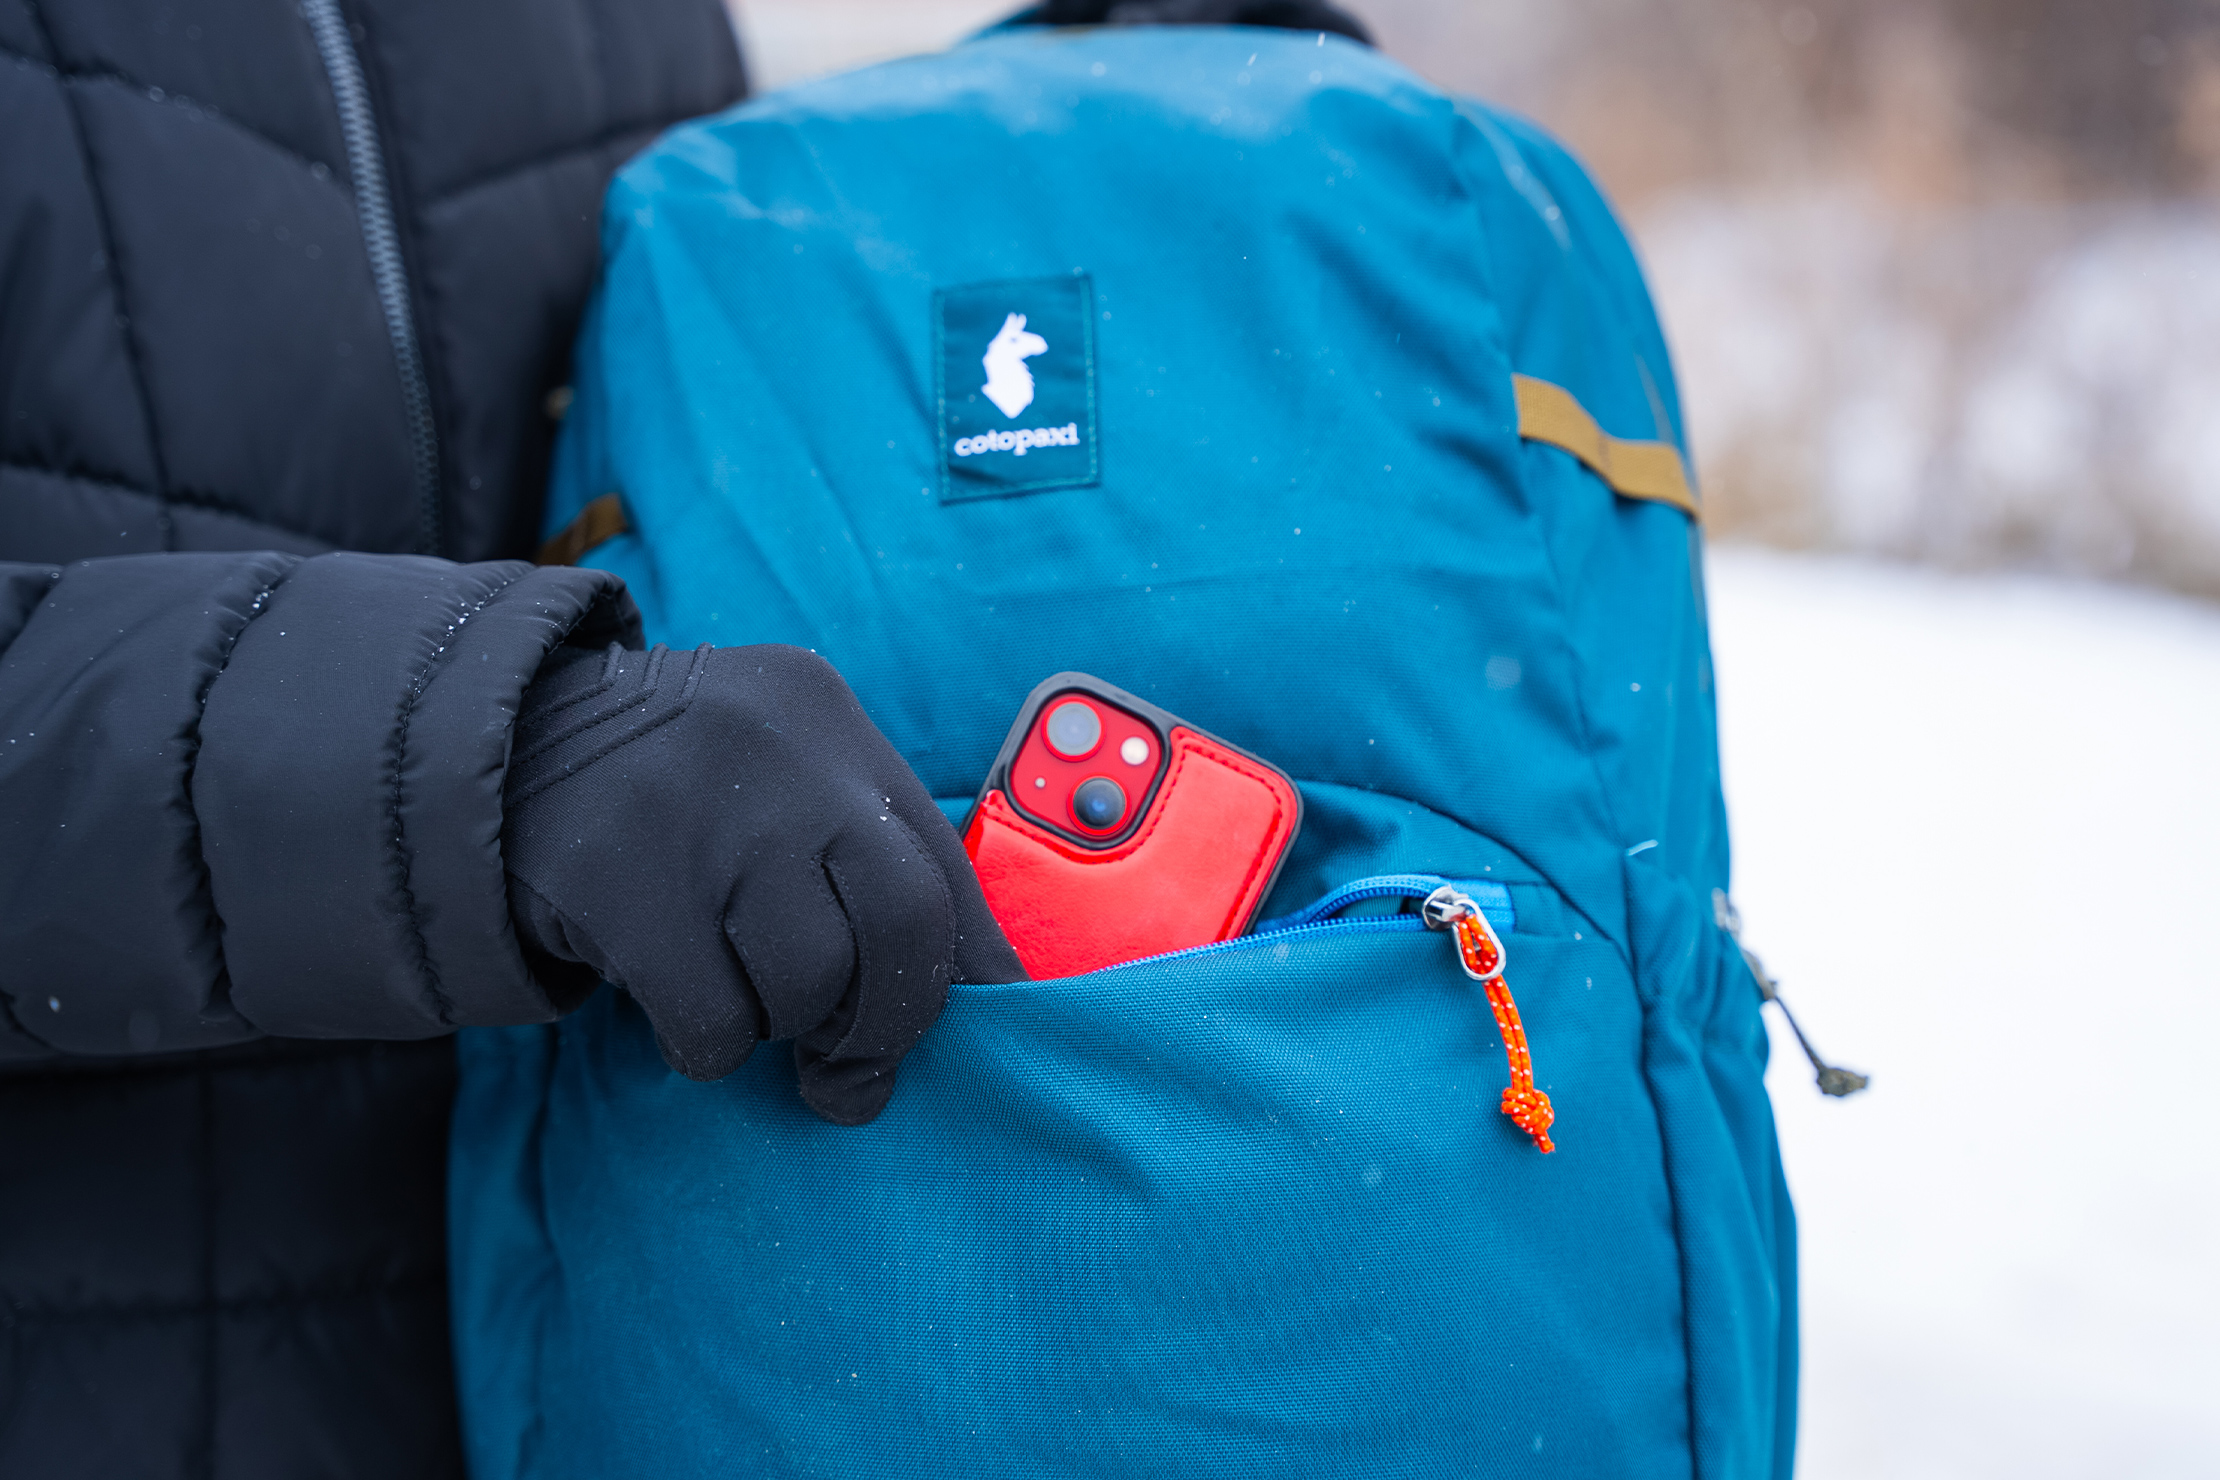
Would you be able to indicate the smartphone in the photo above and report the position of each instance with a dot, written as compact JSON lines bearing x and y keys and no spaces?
{"x":1108,"y":829}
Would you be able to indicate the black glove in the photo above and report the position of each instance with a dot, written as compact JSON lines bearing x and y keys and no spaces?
{"x":725,"y":835}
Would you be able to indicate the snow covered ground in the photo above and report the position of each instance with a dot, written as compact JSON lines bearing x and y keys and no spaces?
{"x":1976,"y":823}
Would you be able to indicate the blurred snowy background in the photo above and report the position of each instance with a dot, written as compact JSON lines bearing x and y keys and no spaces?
{"x":1943,"y":281}
{"x":1975,"y":819}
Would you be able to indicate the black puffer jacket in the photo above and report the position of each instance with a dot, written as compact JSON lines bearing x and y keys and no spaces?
{"x":290,"y":276}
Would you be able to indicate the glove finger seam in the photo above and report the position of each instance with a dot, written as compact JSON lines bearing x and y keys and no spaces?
{"x":948,"y":909}
{"x":863,"y":960}
{"x":821,"y":864}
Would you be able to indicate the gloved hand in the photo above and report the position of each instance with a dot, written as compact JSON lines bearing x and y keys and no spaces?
{"x":725,"y":835}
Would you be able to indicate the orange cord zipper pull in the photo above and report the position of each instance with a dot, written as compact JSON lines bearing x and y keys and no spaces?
{"x":1480,"y":952}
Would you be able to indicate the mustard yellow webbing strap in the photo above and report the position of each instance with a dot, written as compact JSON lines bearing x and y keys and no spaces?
{"x":1651,"y":470}
{"x":599,"y":521}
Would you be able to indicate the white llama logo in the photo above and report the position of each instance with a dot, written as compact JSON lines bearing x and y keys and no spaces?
{"x":1009,"y":384}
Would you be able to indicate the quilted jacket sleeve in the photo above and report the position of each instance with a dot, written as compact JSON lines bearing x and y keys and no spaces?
{"x":247,"y":794}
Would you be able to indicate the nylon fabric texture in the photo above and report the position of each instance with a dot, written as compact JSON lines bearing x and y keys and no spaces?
{"x":1249,"y":1210}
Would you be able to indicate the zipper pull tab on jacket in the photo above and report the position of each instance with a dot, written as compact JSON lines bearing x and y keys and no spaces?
{"x":1832,"y":1080}
{"x":1480,"y":952}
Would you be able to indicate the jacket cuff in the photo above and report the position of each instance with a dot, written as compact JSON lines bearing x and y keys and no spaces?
{"x":108,"y":941}
{"x":349,"y":790}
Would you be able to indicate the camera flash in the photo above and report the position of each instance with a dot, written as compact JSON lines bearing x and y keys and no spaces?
{"x":1134,"y":751}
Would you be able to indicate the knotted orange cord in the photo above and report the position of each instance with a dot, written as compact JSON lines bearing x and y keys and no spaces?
{"x":1481,"y":954}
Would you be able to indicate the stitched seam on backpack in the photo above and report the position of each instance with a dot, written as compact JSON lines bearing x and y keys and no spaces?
{"x":1604,"y":799}
{"x":442,"y":1004}
{"x":1557,"y":587}
{"x":1625,"y":948}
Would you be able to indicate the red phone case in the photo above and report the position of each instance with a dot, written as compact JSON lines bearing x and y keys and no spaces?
{"x":1189,"y":866}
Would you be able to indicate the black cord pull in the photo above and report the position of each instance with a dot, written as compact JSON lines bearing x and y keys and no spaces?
{"x":1832,"y":1080}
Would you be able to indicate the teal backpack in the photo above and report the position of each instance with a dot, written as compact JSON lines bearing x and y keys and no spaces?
{"x":1259,"y":377}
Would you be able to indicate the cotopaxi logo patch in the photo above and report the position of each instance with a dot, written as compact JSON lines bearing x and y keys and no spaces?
{"x":1015,"y":363}
{"x":1020,"y":443}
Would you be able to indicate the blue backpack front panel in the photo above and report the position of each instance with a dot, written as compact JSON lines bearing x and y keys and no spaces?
{"x":1257,"y":300}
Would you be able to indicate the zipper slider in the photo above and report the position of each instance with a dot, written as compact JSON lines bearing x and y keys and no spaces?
{"x":1832,"y":1080}
{"x":1480,"y":952}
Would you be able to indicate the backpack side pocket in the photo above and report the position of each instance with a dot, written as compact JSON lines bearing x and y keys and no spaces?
{"x":1703,"y":1054}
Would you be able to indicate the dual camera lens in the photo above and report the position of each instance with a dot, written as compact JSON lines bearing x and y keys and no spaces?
{"x":1074,"y":732}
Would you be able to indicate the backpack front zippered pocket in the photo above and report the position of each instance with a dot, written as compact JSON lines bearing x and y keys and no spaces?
{"x":1462,"y":909}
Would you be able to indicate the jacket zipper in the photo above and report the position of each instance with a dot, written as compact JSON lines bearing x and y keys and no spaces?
{"x":358,"y":126}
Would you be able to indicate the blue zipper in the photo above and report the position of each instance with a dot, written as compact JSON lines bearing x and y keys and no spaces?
{"x":1317,"y":917}
{"x":1493,"y":898}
